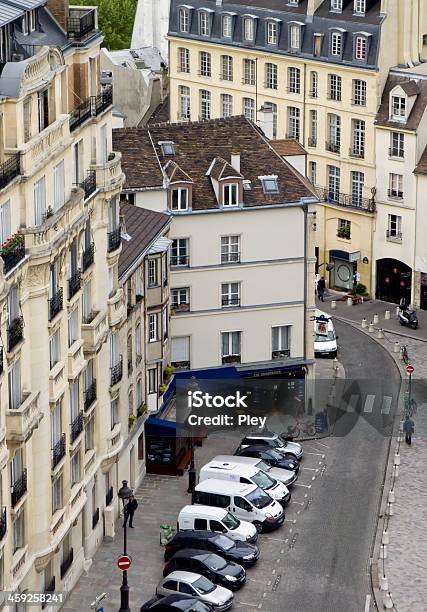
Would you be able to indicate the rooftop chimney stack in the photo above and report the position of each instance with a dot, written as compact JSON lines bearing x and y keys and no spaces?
{"x":235,"y":161}
{"x":265,"y":120}
{"x":312,"y":6}
{"x":60,"y":9}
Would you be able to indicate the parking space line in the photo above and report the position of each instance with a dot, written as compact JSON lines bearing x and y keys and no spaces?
{"x":299,"y":503}
{"x":310,"y":469}
{"x":369,"y":403}
{"x":297,"y":484}
{"x":275,"y":539}
{"x":321,"y":444}
{"x":386,"y":405}
{"x":244,"y":603}
{"x":318,"y":454}
{"x":352,"y":404}
{"x":368,"y":603}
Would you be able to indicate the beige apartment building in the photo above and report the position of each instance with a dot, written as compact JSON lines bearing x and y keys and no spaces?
{"x":66,"y":439}
{"x":319,"y":68}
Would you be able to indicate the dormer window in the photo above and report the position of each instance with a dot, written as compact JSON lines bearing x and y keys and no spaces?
{"x":269,"y":184}
{"x":248,"y":29}
{"x":359,"y":7}
{"x":184,"y":20}
{"x":230,"y":194}
{"x":179,"y":198}
{"x":227,"y":26}
{"x":336,"y":5}
{"x":203,"y":23}
{"x":168,"y":147}
{"x":272,"y":32}
{"x":336,"y":44}
{"x":294,"y":37}
{"x":398,"y":108}
{"x":360,"y":48}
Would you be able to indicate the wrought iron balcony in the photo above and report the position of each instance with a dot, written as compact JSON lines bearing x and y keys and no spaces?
{"x":333,"y":147}
{"x":90,"y":395}
{"x":95,"y":518}
{"x":58,"y":451}
{"x":15,"y":332}
{"x":103,"y":100}
{"x":19,"y":488}
{"x":88,"y":257}
{"x":342,"y":199}
{"x":394,"y":236}
{"x":114,"y":239}
{"x":55,"y":304}
{"x":230,"y":258}
{"x":67,"y":563}
{"x":3,"y":524}
{"x":80,"y":22}
{"x":12,"y":252}
{"x":231,"y":359}
{"x":116,"y":372}
{"x":76,"y":427}
{"x":180,"y":260}
{"x":74,"y":283}
{"x":9,"y":169}
{"x":181,"y":365}
{"x":89,"y":184}
{"x":226,"y":300}
{"x":109,"y":496}
{"x":80,"y":114}
{"x":282,"y":354}
{"x":395,"y":194}
{"x":91,"y":107}
{"x":396,"y":152}
{"x":358,"y":152}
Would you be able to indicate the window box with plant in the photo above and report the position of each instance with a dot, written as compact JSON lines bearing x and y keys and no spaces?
{"x":131,"y":421}
{"x":344,"y":232}
{"x":167,"y":373}
{"x":141,"y":409}
{"x":12,"y":251}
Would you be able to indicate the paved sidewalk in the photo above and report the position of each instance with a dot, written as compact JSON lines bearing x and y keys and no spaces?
{"x":406,"y":564}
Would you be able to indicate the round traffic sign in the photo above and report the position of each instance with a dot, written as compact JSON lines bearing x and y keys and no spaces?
{"x":410,"y":368}
{"x":124,"y":562}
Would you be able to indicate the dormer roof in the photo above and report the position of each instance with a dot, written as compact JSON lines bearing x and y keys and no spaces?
{"x":415,"y":88}
{"x":410,"y":88}
{"x":220,"y":169}
{"x":175,"y":173}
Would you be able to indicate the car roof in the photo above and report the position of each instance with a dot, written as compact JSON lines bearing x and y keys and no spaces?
{"x":256,"y":447}
{"x":238,"y":459}
{"x":213,"y":485}
{"x":262,"y":434}
{"x":200,"y":534}
{"x":182,"y":576}
{"x":232,"y":466}
{"x":209,"y":510}
{"x":191,"y":552}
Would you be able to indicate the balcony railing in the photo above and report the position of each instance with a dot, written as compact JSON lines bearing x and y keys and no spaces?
{"x":109,"y":496}
{"x":90,"y":395}
{"x":19,"y":488}
{"x":181,"y":365}
{"x":282,"y":354}
{"x":95,"y":518}
{"x":231,"y":359}
{"x":91,"y":107}
{"x":12,"y":252}
{"x":74,"y":283}
{"x":114,"y":239}
{"x":15,"y":332}
{"x":395,"y":194}
{"x":229,"y":258}
{"x":116,"y":372}
{"x":344,"y":233}
{"x":3,"y":523}
{"x":88,"y":184}
{"x":396,"y":152}
{"x":58,"y":451}
{"x":333,"y":147}
{"x":88,"y":257}
{"x":333,"y":95}
{"x":394,"y":236}
{"x":312,"y":142}
{"x":230,"y":301}
{"x":357,"y":152}
{"x":67,"y":563}
{"x":180,"y":260}
{"x":76,"y":427}
{"x":103,"y":100}
{"x":342,"y":199}
{"x":9,"y":169}
{"x":181,"y":307}
{"x":79,"y":25}
{"x":56,"y":304}
{"x":292,"y":136}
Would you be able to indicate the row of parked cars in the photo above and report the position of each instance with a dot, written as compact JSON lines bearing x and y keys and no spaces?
{"x":238,"y":496}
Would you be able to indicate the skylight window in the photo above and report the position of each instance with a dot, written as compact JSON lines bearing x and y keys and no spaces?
{"x":269,"y":184}
{"x":168,"y":147}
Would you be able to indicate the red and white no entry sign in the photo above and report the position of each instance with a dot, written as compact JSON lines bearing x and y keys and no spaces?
{"x":410,"y":368}
{"x":124,"y":562}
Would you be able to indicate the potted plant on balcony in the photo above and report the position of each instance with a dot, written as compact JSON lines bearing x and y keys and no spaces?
{"x":162,"y":389}
{"x":11,"y":244}
{"x":131,"y":421}
{"x":141,"y":409}
{"x":344,"y":232}
{"x":168,"y":371}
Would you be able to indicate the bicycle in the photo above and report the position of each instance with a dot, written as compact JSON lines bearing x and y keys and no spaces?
{"x":295,"y":431}
{"x":409,"y":407}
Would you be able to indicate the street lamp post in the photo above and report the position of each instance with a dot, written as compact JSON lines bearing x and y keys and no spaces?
{"x":124,"y":493}
{"x":192,"y":387}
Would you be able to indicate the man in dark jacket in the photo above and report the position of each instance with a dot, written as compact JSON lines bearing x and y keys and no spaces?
{"x":321,"y":288}
{"x":408,"y":428}
{"x":129,"y":510}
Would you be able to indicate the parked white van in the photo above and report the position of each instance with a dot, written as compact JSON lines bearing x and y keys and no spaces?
{"x":325,"y":343}
{"x":246,"y":474}
{"x":246,"y":501}
{"x":288,"y":477}
{"x":208,"y":518}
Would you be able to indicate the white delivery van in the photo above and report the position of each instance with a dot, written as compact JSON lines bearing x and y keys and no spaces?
{"x":208,"y":518}
{"x":325,"y":339}
{"x":246,"y":501}
{"x":246,"y":474}
{"x":288,"y":477}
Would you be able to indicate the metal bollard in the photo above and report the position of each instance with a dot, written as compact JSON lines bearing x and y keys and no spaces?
{"x":364,"y":323}
{"x":396,"y":347}
{"x":397,"y":458}
{"x":371,"y":328}
{"x":384,"y":583}
{"x":387,"y":315}
{"x":391,"y":496}
{"x":385,"y":538}
{"x":383,"y":551}
{"x":380,"y":333}
{"x":333,"y":304}
{"x":397,"y":311}
{"x":390,"y":509}
{"x":376,"y":318}
{"x":396,"y":471}
{"x":387,"y":601}
{"x":349,"y":302}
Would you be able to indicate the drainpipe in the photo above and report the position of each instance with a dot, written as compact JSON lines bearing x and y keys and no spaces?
{"x":304,"y":105}
{"x":415,"y":248}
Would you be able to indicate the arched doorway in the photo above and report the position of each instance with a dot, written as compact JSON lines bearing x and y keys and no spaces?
{"x":394,"y":281}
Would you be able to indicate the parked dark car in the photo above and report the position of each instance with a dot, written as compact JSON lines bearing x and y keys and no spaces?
{"x":233,"y":550}
{"x":271,"y":439}
{"x":175,"y":603}
{"x":269,"y":455}
{"x":226,"y":573}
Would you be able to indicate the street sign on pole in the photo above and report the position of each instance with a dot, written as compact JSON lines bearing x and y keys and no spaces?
{"x":410,"y":369}
{"x":124,"y":562}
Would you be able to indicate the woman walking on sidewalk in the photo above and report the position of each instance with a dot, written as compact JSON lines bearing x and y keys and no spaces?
{"x":408,"y":428}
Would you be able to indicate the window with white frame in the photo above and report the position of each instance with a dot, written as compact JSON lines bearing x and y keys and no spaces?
{"x":139,"y":289}
{"x":230,"y":194}
{"x":153,"y":332}
{"x":272,"y":32}
{"x":183,"y":59}
{"x":74,"y":395}
{"x":398,"y":108}
{"x":359,"y":92}
{"x":138,"y":342}
{"x":226,"y":68}
{"x":184,"y":20}
{"x":334,"y":132}
{"x":180,"y":298}
{"x":226,"y":105}
{"x":87,"y":314}
{"x":336,"y":5}
{"x":231,"y":346}
{"x":57,"y":498}
{"x":73,"y":327}
{"x":13,"y":304}
{"x":15,"y":389}
{"x":312,"y":172}
{"x":312,"y":139}
{"x":293,"y":122}
{"x":294,"y":80}
{"x":138,"y":394}
{"x":357,"y":183}
{"x":394,"y":229}
{"x":230,"y":294}
{"x":179,"y":198}
{"x":395,"y":185}
{"x":114,"y":413}
{"x":360,"y":7}
{"x":75,"y":468}
{"x":55,"y":348}
{"x":230,"y":249}
{"x":360,"y":48}
{"x":184,"y":102}
{"x":335,"y":87}
{"x":56,"y":424}
{"x":203,"y":23}
{"x":152,"y":272}
{"x":205,"y":104}
{"x":397,"y":144}
{"x":358,"y":138}
{"x":334,"y":177}
{"x":205,"y":64}
{"x":280,"y":341}
{"x":314,"y":84}
{"x":249,"y":71}
{"x":227,"y":26}
{"x":5,"y":224}
{"x":336,"y":44}
{"x":294,"y":37}
{"x":248,"y":29}
{"x":270,"y":75}
{"x":273,"y":107}
{"x":114,"y":350}
{"x":58,"y":186}
{"x":39,"y":201}
{"x":344,"y":229}
{"x":249,"y":108}
{"x":152,"y":380}
{"x":180,"y":252}
{"x":18,"y":532}
{"x":90,"y":434}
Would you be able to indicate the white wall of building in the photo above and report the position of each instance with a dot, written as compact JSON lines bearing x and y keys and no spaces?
{"x":151,"y":25}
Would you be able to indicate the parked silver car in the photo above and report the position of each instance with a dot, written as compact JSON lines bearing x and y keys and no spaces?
{"x":195,"y":585}
{"x":273,"y":440}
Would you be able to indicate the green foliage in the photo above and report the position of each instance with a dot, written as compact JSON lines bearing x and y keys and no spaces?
{"x":115,"y":19}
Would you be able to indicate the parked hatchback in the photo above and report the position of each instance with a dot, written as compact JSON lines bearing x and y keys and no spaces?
{"x":175,"y":603}
{"x":274,"y":440}
{"x":269,"y":455}
{"x":195,"y":585}
{"x":241,"y":552}
{"x":227,"y":573}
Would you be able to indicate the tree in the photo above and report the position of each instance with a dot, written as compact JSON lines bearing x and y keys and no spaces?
{"x":116,"y":19}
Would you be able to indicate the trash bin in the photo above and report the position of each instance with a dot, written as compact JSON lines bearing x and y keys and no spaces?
{"x":166,"y":534}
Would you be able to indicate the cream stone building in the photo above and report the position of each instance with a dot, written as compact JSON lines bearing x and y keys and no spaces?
{"x":65,"y":440}
{"x":320,"y":67}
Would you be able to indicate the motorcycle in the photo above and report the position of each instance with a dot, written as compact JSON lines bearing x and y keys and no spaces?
{"x":408,"y":316}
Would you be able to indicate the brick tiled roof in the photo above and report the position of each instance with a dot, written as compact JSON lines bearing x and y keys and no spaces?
{"x":288,"y":146}
{"x":421,"y":167}
{"x":143,"y":226}
{"x":197,"y":145}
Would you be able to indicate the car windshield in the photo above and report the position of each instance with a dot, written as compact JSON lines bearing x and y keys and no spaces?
{"x":215,"y":562}
{"x":203,"y":585}
{"x":328,"y":338}
{"x":263,"y":480}
{"x":274,"y":455}
{"x":231,"y":521}
{"x":224,"y":542}
{"x":259,"y":499}
{"x":263,"y":465}
{"x":198,"y":606}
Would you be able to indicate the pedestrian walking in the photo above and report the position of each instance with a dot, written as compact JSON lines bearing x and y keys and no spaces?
{"x":408,"y":428}
{"x":321,"y":288}
{"x":129,"y":510}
